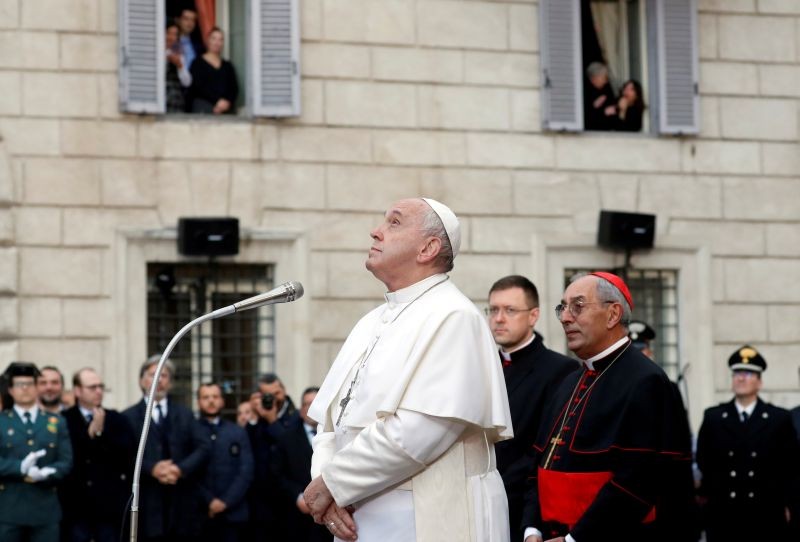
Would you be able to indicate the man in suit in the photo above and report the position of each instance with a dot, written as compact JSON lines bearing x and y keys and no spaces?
{"x":532,"y":374}
{"x":174,"y":457}
{"x":292,"y":466}
{"x":229,"y":472}
{"x":94,"y":494}
{"x":276,"y":412}
{"x":35,"y":453}
{"x":747,"y":451}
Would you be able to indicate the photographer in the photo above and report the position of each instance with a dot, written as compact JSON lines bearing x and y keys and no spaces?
{"x":275,"y":412}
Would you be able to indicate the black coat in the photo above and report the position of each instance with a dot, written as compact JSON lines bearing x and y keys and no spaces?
{"x":532,"y":379}
{"x":291,"y":465}
{"x":266,"y":507}
{"x":622,"y":448}
{"x":171,"y":511}
{"x":750,"y":472}
{"x":98,"y":487}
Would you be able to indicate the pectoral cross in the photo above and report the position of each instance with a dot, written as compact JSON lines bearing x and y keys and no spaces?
{"x":555,"y":441}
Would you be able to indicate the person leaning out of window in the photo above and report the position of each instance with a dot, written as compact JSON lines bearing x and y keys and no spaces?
{"x":214,"y":88}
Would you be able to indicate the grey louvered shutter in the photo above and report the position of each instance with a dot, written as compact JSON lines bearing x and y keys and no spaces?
{"x":679,"y":102}
{"x":562,"y":92}
{"x":274,"y":75}
{"x":141,"y":56}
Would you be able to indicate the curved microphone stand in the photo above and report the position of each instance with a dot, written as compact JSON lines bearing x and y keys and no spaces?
{"x":286,"y":292}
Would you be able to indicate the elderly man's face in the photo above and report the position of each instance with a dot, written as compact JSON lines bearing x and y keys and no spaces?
{"x":586,"y":333}
{"x":397,"y":241}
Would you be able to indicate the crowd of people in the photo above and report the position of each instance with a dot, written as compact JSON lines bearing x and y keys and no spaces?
{"x":198,"y":79}
{"x":66,"y":470}
{"x":430,"y":425}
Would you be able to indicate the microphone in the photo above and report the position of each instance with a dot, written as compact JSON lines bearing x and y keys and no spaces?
{"x":285,"y":293}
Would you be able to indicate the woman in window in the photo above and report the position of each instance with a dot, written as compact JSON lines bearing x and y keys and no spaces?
{"x":178,"y":76}
{"x":214,"y":88}
{"x":630,"y":107}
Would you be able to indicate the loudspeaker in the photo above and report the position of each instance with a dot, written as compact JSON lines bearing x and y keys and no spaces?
{"x":626,"y":230}
{"x":208,"y":236}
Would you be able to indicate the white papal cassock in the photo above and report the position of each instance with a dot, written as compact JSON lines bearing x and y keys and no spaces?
{"x":413,"y":449}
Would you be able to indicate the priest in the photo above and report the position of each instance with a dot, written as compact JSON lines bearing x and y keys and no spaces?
{"x":616,"y":437}
{"x":411,"y":408}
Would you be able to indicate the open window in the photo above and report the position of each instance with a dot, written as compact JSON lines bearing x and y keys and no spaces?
{"x":262,"y":42}
{"x":652,"y":42}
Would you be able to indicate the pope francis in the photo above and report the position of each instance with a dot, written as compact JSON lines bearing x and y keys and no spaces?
{"x":414,"y":402}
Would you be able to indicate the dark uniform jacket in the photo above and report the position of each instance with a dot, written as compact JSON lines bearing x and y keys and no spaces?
{"x":24,"y":502}
{"x":229,"y":472}
{"x":750,"y":472}
{"x":623,"y":437}
{"x":532,"y":377}
{"x":170,"y":510}
{"x":291,"y":463}
{"x":98,"y":487}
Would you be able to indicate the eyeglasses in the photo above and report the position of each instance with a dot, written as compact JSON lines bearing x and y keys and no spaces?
{"x":23,"y":384}
{"x":744,"y":373}
{"x":95,"y":387}
{"x":511,"y":312}
{"x":576,"y":307}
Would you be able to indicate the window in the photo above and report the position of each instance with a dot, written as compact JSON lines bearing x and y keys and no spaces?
{"x":263,"y":42}
{"x":650,"y":41}
{"x":655,"y":296}
{"x":232,"y":350}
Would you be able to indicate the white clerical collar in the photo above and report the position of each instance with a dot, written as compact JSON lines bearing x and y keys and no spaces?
{"x":749,"y":409}
{"x":410,"y":293}
{"x":507,"y":353}
{"x":21,"y":412}
{"x":589,"y":363}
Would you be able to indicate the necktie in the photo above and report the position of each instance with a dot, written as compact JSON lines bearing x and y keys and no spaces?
{"x":160,"y":414}
{"x":27,"y":416}
{"x":89,"y":417}
{"x":745,"y":416}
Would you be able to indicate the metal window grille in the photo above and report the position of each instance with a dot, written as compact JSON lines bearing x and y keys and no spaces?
{"x":655,"y":295}
{"x":231,"y":351}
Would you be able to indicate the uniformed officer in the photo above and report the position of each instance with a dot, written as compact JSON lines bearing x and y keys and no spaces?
{"x":641,"y":334}
{"x":229,"y":472}
{"x":747,"y":453}
{"x":35,"y":453}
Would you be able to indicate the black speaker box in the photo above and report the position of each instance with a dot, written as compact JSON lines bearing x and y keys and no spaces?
{"x":626,"y":230}
{"x":208,"y":236}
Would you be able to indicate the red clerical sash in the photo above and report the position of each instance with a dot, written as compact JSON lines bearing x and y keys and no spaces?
{"x":565,"y":496}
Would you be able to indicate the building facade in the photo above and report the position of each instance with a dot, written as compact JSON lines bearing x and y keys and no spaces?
{"x":396,"y":98}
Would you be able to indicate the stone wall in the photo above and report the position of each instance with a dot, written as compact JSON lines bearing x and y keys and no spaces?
{"x":400,"y":97}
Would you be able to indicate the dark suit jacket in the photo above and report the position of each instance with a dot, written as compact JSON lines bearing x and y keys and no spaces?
{"x":796,"y":420}
{"x":531,"y":380}
{"x":229,"y":472}
{"x":291,"y":465}
{"x":100,"y":482}
{"x":166,"y":510}
{"x":750,"y":472}
{"x":21,"y":502}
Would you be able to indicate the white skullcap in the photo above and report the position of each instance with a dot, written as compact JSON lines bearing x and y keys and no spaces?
{"x":450,"y":221}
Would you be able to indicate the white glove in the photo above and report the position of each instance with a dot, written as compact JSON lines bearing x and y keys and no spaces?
{"x":37,"y":475}
{"x":30,"y":461}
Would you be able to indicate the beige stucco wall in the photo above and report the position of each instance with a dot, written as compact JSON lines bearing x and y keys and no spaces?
{"x":400,"y":97}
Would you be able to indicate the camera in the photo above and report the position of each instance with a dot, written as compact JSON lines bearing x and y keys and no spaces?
{"x":267,"y":401}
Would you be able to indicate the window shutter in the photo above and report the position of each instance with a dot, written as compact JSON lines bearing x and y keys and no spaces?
{"x":679,"y":103}
{"x":562,"y":94}
{"x":142,"y":67}
{"x":275,"y":64}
